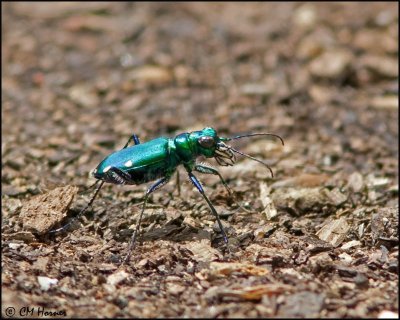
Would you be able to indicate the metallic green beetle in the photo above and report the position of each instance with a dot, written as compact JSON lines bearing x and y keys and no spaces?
{"x":159,"y":158}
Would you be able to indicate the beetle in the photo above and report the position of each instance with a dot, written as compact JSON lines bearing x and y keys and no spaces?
{"x":158,"y":159}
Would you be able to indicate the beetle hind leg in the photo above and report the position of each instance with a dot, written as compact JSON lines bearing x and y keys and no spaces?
{"x":80,"y":212}
{"x":133,"y":138}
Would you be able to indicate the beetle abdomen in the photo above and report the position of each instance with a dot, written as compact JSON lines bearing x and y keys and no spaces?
{"x":148,"y":173}
{"x":143,"y":162}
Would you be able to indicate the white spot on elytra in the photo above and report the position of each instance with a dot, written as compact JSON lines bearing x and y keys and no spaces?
{"x":129,"y":163}
{"x":107,"y":168}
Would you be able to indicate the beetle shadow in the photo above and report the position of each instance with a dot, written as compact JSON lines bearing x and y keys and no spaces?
{"x":176,"y":231}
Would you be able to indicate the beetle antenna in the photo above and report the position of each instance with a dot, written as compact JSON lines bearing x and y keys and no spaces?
{"x":252,"y":158}
{"x":252,"y":135}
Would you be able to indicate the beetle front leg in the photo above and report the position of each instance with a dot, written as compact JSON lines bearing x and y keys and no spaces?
{"x":153,"y":188}
{"x":199,"y":187}
{"x":202,"y":168}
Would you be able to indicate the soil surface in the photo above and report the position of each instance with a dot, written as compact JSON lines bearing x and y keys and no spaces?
{"x":319,"y":239}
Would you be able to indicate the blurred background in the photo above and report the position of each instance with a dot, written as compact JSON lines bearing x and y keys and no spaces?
{"x":79,"y":78}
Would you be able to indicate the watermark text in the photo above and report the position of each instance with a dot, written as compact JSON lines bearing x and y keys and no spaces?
{"x":33,"y":312}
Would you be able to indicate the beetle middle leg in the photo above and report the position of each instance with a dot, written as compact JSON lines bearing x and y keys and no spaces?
{"x":199,"y":187}
{"x":153,"y":188}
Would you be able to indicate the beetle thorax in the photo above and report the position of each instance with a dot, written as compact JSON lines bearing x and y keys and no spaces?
{"x":184,"y":147}
{"x":191,"y":145}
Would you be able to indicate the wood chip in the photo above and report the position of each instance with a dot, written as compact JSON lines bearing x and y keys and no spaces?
{"x":334,"y":231}
{"x":255,"y":293}
{"x":43,"y":212}
{"x":269,"y":208}
{"x":202,"y":251}
{"x":227,"y":268}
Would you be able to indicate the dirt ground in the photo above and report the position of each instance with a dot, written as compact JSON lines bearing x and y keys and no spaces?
{"x":319,"y":239}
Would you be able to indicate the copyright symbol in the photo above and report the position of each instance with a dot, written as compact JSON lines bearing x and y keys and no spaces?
{"x":10,"y":311}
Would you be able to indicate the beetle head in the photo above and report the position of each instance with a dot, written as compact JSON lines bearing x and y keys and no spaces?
{"x":207,"y":143}
{"x":204,"y":141}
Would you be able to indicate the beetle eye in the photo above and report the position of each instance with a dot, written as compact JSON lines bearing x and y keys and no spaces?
{"x":206,"y":142}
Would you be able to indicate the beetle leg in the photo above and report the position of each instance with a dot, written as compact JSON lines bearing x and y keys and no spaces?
{"x":117,"y":174}
{"x":133,"y":138}
{"x":204,"y":168}
{"x":80,"y":212}
{"x":178,"y":183}
{"x":199,"y":187}
{"x":153,"y":188}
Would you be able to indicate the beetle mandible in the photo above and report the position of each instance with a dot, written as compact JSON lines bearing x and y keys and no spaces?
{"x":159,"y":158}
